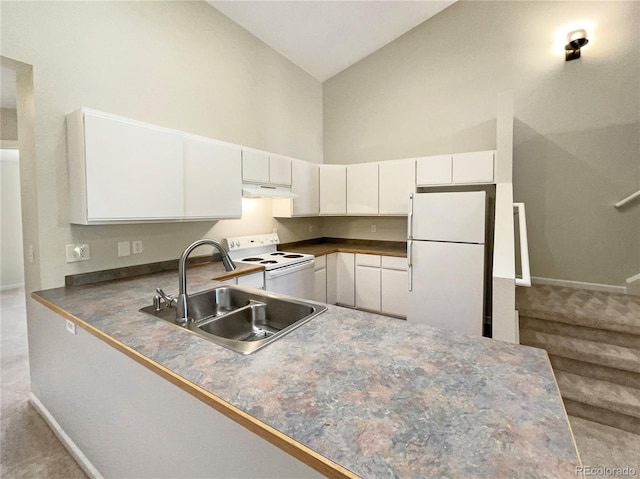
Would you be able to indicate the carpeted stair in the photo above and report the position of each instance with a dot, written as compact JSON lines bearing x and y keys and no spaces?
{"x":593,"y":342}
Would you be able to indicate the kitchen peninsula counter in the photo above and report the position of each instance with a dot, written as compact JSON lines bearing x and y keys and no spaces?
{"x":352,"y":393}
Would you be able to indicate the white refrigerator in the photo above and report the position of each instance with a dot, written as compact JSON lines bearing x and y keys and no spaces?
{"x":446,"y":255}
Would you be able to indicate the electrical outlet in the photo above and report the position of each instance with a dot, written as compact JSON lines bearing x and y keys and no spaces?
{"x":310,"y":228}
{"x":137,"y":247}
{"x":373,"y":228}
{"x":30,"y":255}
{"x":76,"y":252}
{"x":71,"y":327}
{"x":124,"y":248}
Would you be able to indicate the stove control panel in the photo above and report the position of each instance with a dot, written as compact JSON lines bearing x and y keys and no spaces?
{"x":255,"y":241}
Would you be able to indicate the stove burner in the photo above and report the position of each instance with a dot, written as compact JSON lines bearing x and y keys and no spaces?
{"x":252,"y":259}
{"x":293,"y":256}
{"x":279,"y":253}
{"x":268,"y":261}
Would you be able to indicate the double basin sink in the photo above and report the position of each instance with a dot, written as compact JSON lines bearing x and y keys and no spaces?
{"x":239,"y":319}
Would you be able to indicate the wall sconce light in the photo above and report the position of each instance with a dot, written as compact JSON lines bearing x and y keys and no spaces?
{"x":576,"y":40}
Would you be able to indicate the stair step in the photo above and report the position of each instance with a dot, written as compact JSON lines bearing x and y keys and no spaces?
{"x":587,"y":351}
{"x":603,"y":373}
{"x":594,"y":309}
{"x":602,"y":416}
{"x":625,"y":340}
{"x":601,"y":394}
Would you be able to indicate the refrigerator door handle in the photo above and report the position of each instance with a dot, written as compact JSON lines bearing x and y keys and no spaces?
{"x":410,"y":218}
{"x":409,"y":265}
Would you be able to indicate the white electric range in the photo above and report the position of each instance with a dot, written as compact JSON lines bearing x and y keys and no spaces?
{"x":285,"y":273}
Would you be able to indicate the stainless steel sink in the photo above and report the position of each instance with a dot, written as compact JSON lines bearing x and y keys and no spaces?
{"x":239,"y":319}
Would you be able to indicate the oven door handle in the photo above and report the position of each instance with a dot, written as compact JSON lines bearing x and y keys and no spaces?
{"x":274,"y":273}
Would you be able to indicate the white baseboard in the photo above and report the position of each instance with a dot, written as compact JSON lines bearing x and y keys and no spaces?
{"x":7,"y":287}
{"x":66,"y":441}
{"x":607,"y":288}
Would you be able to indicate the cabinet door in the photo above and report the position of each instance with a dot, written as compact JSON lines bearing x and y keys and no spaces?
{"x":394,"y":292}
{"x":126,"y":163}
{"x":332,"y":278}
{"x":362,"y":189}
{"x":345,"y":279}
{"x":434,"y":170}
{"x":474,"y":167}
{"x":397,"y":182}
{"x":279,"y":170}
{"x":255,"y":166}
{"x":321,"y":285}
{"x":212,"y":179}
{"x":333,"y":189}
{"x":305,"y":182}
{"x":368,"y":288}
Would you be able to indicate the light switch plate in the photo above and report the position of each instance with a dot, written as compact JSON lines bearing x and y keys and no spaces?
{"x":124,"y":248}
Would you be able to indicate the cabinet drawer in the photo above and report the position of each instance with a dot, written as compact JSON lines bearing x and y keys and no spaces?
{"x":394,"y":262}
{"x":368,"y":260}
{"x":320,"y":263}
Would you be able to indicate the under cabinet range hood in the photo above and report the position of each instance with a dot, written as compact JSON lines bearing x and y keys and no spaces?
{"x":266,"y":191}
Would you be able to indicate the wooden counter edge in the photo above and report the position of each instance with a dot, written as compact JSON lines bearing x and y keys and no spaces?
{"x":349,"y":249}
{"x":236,"y":273}
{"x":301,"y":452}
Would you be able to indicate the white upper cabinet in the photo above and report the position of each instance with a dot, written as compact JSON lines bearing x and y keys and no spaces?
{"x":262,"y":168}
{"x":476,"y":167}
{"x":112,"y":163}
{"x":461,"y":168}
{"x":212,"y":179}
{"x":305,"y":182}
{"x":397,"y":182}
{"x":333,"y":189}
{"x":434,"y":170}
{"x":279,"y":170}
{"x":362,"y":189}
{"x":255,"y":166}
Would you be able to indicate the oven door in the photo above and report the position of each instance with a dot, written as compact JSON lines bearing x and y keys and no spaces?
{"x":296,"y":280}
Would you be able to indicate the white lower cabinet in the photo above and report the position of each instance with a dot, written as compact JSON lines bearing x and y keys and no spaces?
{"x":251,"y":280}
{"x":368,"y":282}
{"x":332,"y":278}
{"x":394,"y":288}
{"x":345,"y":279}
{"x":320,"y":272}
{"x":365,"y":281}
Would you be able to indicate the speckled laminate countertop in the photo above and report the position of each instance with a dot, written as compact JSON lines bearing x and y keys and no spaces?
{"x":385,"y":248}
{"x":366,"y":394}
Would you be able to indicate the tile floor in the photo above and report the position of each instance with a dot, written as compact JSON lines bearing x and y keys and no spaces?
{"x":29,"y":450}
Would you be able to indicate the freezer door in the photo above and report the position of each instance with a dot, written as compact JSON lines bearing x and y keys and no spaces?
{"x":447,"y":286}
{"x":454,"y":216}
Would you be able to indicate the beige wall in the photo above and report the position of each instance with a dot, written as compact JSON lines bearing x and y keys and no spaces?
{"x":576,"y":149}
{"x":181,"y":65}
{"x":8,"y":124}
{"x":11,"y":269}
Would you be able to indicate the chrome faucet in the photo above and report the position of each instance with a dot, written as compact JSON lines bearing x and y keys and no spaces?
{"x":183,"y":312}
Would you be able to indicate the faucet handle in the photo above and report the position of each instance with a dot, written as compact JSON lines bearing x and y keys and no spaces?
{"x":168,"y":299}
